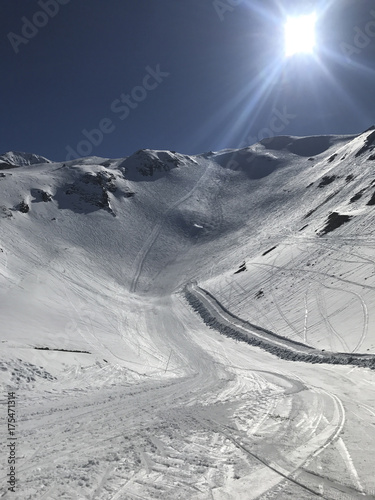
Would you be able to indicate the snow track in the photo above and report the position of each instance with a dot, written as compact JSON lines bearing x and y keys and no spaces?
{"x":144,"y":251}
{"x":210,"y":433}
{"x":214,"y":315}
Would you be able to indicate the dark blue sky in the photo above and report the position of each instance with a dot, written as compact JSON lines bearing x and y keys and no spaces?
{"x":218,"y":77}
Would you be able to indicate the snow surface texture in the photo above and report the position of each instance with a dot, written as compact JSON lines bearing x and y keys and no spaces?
{"x":123,"y":391}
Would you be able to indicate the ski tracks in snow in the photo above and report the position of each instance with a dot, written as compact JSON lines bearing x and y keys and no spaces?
{"x":144,"y":251}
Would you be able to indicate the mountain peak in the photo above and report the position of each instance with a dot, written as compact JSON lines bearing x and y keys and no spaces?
{"x":13,"y":159}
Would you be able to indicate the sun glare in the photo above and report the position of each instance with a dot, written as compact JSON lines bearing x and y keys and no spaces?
{"x":300,"y":35}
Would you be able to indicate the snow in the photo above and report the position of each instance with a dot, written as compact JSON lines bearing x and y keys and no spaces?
{"x":18,"y":159}
{"x":123,"y":391}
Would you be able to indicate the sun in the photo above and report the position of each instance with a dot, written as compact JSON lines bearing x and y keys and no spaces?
{"x":300,"y":35}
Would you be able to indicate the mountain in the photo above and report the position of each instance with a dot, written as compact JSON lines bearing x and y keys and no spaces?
{"x":13,"y":159}
{"x":122,"y":281}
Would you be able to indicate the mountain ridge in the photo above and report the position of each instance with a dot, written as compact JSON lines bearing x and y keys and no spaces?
{"x":13,"y":159}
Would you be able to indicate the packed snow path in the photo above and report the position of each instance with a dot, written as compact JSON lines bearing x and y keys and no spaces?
{"x":218,"y":317}
{"x":214,"y":424}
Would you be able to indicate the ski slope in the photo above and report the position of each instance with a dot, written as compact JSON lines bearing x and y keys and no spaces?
{"x":123,"y":391}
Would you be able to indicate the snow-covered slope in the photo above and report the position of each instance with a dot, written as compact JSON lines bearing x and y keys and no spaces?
{"x":95,"y":255}
{"x":310,"y":260}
